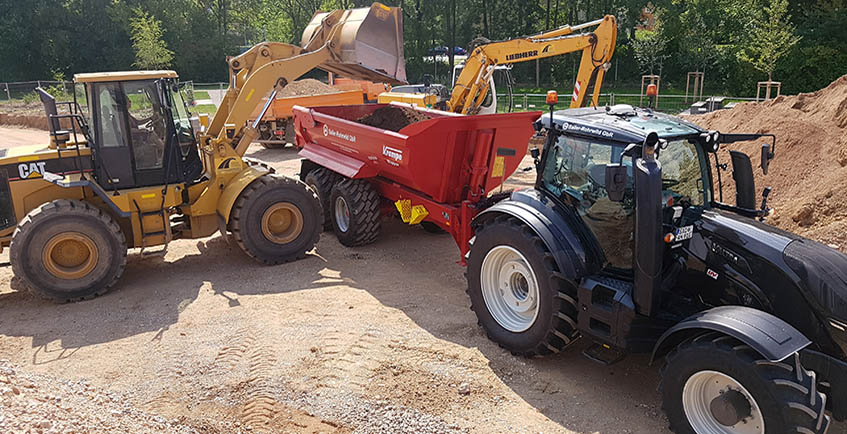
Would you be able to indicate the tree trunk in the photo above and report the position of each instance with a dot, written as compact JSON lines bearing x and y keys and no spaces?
{"x":485,"y":31}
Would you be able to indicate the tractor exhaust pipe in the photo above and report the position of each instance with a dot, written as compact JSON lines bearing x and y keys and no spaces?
{"x":648,"y":227}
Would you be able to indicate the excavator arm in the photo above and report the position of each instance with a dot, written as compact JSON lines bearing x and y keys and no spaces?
{"x":597,"y":48}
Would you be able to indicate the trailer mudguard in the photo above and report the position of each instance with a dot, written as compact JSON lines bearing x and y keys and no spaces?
{"x":770,"y":336}
{"x":539,"y":213}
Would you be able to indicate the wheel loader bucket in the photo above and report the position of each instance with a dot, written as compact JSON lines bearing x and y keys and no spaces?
{"x":367,"y":43}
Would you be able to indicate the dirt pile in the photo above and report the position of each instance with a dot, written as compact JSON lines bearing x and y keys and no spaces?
{"x":393,"y":118}
{"x":809,"y":171}
{"x":307,"y":86}
{"x":23,"y":114}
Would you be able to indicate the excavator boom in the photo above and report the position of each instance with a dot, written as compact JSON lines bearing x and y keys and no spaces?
{"x":597,"y":48}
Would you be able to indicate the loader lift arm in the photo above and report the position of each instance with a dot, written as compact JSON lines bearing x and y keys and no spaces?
{"x":326,"y":44}
{"x":597,"y":48}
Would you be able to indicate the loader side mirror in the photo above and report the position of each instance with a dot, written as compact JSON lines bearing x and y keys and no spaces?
{"x":534,"y":152}
{"x":767,"y":156}
{"x":49,"y":109}
{"x":615,"y":181}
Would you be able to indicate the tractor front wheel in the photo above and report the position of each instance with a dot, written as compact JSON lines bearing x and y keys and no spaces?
{"x":716,"y":384}
{"x":68,"y":250}
{"x":517,"y":292}
{"x":276,"y":219}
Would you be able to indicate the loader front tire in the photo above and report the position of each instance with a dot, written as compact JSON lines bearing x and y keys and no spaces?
{"x":354,"y":205}
{"x":322,"y":180}
{"x":276,"y":219}
{"x":517,"y":292}
{"x":68,"y":250}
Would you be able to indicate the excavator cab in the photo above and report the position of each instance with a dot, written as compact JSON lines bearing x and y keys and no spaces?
{"x":141,"y":134}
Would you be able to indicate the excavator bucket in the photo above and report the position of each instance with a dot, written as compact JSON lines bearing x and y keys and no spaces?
{"x":367,"y":43}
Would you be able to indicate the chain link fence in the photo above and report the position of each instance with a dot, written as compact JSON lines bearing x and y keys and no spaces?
{"x":672,"y":104}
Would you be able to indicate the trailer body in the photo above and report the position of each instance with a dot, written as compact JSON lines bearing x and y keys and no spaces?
{"x":447,"y":164}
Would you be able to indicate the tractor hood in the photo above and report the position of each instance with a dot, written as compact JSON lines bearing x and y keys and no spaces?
{"x":792,"y":272}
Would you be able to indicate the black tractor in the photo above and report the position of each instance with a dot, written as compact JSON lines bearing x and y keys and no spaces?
{"x":622,"y":241}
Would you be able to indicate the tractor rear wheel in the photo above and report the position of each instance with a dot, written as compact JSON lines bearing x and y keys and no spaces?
{"x":276,"y":219}
{"x":517,"y":292}
{"x":354,"y":206}
{"x":68,"y":250}
{"x":716,"y":384}
{"x":322,"y":180}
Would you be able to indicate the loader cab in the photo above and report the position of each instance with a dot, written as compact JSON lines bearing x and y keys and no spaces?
{"x":140,"y":129}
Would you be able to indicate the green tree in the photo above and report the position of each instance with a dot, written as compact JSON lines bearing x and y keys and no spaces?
{"x":151,"y":52}
{"x":770,"y":39}
{"x":649,"y":51}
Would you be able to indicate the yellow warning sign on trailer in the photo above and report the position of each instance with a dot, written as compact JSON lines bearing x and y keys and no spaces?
{"x":499,"y":167}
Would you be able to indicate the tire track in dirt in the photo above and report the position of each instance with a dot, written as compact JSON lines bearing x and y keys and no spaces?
{"x":346,"y":358}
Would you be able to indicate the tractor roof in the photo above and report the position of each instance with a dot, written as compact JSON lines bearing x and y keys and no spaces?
{"x":122,"y":76}
{"x":622,"y":123}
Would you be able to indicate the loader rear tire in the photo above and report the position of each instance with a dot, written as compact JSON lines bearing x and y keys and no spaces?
{"x":517,"y":292}
{"x":715,"y":383}
{"x":68,"y":250}
{"x":354,"y":206}
{"x":322,"y":180}
{"x":276,"y":219}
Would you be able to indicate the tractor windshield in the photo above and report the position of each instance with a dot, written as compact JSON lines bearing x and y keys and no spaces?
{"x":575,"y":171}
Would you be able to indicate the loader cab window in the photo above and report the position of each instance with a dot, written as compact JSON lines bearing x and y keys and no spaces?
{"x":182,"y":120}
{"x":147,"y":126}
{"x":574,"y":171}
{"x":81,"y":97}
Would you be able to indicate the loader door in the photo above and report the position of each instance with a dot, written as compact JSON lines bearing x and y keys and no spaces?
{"x":113,"y":166}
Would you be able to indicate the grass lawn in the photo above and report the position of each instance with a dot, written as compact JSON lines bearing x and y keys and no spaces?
{"x":209,"y":109}
{"x":201,"y":94}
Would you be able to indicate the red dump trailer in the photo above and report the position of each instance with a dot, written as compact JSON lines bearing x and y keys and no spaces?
{"x":437,"y":172}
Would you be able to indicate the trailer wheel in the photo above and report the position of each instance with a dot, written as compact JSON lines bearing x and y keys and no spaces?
{"x":322,"y":180}
{"x":716,"y":384}
{"x":68,"y":250}
{"x":516,"y":290}
{"x":276,"y":219}
{"x":354,"y":205}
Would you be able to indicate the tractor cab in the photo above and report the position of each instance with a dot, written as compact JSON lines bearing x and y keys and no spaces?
{"x":137,"y":126}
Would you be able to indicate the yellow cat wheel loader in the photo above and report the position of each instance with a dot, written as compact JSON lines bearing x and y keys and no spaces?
{"x":127,"y":167}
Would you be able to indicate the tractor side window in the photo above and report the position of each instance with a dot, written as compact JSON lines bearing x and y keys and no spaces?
{"x":682,"y":178}
{"x":146,"y":124}
{"x":575,"y":170}
{"x":111,"y":116}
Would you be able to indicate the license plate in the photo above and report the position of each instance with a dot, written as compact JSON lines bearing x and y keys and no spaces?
{"x":684,"y":233}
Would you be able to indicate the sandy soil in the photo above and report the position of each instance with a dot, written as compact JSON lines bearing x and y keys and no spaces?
{"x":367,"y":340}
{"x":359,"y":339}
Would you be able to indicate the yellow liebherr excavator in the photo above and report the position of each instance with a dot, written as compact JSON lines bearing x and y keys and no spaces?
{"x":127,"y":167}
{"x":473,"y":84}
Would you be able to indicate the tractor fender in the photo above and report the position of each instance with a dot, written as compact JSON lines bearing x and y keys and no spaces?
{"x":234,"y":188}
{"x":773,"y":338}
{"x":534,"y":210}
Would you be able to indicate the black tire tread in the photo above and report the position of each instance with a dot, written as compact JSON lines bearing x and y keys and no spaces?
{"x":268,"y":182}
{"x":365,"y":216}
{"x":793,"y":385}
{"x":64,"y":207}
{"x":322,"y":180}
{"x":562,"y":331}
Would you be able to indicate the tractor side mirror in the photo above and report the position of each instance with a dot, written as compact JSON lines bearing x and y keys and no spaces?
{"x":534,"y":153}
{"x":615,"y":181}
{"x":767,"y":156}
{"x":742,"y":173}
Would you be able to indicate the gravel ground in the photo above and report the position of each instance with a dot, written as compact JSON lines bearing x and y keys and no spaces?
{"x":377,"y":339}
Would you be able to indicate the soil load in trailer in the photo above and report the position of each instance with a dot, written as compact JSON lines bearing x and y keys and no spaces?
{"x":436,"y":169}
